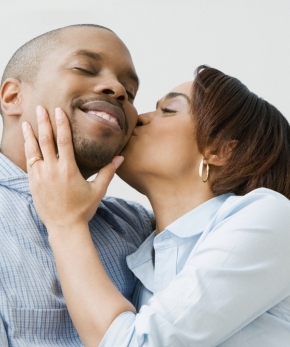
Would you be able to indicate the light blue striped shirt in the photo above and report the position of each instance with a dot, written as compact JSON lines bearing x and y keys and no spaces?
{"x":221,"y":278}
{"x":32,"y":307}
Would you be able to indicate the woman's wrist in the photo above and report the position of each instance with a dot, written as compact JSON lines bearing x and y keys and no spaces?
{"x":62,"y":232}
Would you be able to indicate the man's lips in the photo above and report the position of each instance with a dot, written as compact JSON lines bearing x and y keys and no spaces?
{"x":106,"y":111}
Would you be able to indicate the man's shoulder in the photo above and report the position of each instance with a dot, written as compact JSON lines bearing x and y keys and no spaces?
{"x":122,"y":207}
{"x":131,"y":212}
{"x":118,"y":202}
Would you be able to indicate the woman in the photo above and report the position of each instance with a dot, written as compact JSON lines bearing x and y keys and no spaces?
{"x":214,"y":161}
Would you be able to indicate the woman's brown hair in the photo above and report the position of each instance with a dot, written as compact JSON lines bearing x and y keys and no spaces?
{"x":225,"y":110}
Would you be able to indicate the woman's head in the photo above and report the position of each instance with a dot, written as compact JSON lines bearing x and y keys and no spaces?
{"x":162,"y":148}
{"x":244,"y":139}
{"x":227,"y":114}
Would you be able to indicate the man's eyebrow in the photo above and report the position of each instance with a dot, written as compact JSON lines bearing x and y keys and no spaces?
{"x":99,"y":56}
{"x":174,"y":95}
{"x":87,"y":53}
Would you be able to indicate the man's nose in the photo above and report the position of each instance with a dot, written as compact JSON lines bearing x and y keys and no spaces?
{"x":111,"y":86}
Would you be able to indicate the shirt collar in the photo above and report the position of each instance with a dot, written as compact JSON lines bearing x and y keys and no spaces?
{"x":195,"y":221}
{"x":188,"y":225}
{"x":12,"y":177}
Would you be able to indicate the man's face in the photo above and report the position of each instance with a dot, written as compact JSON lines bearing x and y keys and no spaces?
{"x":92,"y":78}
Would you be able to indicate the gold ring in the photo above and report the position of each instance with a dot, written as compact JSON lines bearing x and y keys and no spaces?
{"x":33,"y":160}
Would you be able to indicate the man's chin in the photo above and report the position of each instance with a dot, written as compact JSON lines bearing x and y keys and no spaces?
{"x":91,"y":155}
{"x":90,"y":166}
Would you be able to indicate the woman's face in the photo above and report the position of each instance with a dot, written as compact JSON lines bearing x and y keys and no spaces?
{"x":163,"y":143}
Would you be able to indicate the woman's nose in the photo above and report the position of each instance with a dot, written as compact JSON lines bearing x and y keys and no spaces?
{"x":144,"y":119}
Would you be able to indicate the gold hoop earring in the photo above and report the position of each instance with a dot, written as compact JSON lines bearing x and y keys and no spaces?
{"x":200,"y":171}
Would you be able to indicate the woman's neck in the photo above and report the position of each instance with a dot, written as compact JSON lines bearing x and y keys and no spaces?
{"x":172,"y":199}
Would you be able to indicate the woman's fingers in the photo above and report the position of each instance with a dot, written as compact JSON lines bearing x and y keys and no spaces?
{"x":45,"y":135}
{"x":44,"y":147}
{"x":64,"y":137}
{"x":104,"y":177}
{"x":66,"y":198}
{"x":32,"y":150}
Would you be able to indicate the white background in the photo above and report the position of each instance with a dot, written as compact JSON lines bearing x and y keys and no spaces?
{"x":168,"y":39}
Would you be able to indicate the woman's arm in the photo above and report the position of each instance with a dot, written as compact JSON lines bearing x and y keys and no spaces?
{"x":237,"y":272}
{"x":234,"y":289}
{"x":93,"y":301}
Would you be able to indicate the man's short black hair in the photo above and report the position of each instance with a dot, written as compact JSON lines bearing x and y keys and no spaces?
{"x":25,"y":62}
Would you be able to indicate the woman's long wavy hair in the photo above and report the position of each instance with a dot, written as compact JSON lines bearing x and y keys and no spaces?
{"x":225,"y":110}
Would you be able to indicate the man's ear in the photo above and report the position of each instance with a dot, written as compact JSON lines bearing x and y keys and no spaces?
{"x":10,"y":95}
{"x":221,"y":156}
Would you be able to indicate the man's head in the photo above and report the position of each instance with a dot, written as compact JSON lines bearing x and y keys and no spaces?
{"x":88,"y":72}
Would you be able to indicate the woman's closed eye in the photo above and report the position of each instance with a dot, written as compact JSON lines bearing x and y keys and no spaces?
{"x":168,"y":110}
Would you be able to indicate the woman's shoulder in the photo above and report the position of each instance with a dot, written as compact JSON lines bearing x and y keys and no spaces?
{"x":261,"y":196}
{"x":259,"y":220}
{"x":261,"y":205}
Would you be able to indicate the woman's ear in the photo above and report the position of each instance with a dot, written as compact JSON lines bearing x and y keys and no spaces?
{"x":221,"y":156}
{"x":10,"y":95}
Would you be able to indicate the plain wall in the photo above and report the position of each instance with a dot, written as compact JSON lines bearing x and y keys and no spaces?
{"x":248,"y":39}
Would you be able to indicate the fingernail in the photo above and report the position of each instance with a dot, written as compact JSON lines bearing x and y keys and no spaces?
{"x":39,"y":112}
{"x":58,"y":115}
{"x":25,"y":126}
{"x":117,"y":161}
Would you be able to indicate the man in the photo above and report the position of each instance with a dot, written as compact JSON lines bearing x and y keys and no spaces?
{"x":88,"y":72}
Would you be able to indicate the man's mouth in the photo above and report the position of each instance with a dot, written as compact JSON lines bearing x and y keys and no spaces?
{"x":106,"y":111}
{"x":104,"y":115}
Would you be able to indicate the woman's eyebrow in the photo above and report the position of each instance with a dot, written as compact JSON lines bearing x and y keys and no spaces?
{"x":174,"y":95}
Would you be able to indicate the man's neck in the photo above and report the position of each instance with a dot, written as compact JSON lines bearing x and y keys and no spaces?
{"x":16,"y":156}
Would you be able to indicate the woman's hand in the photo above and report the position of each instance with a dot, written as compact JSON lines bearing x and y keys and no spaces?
{"x":61,"y":195}
{"x":66,"y":202}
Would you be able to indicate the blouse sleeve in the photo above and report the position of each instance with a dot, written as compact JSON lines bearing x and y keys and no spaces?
{"x":238,"y":270}
{"x":3,"y":335}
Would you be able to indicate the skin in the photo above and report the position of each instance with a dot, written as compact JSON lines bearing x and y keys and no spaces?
{"x":91,"y":76}
{"x":161,"y":160}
